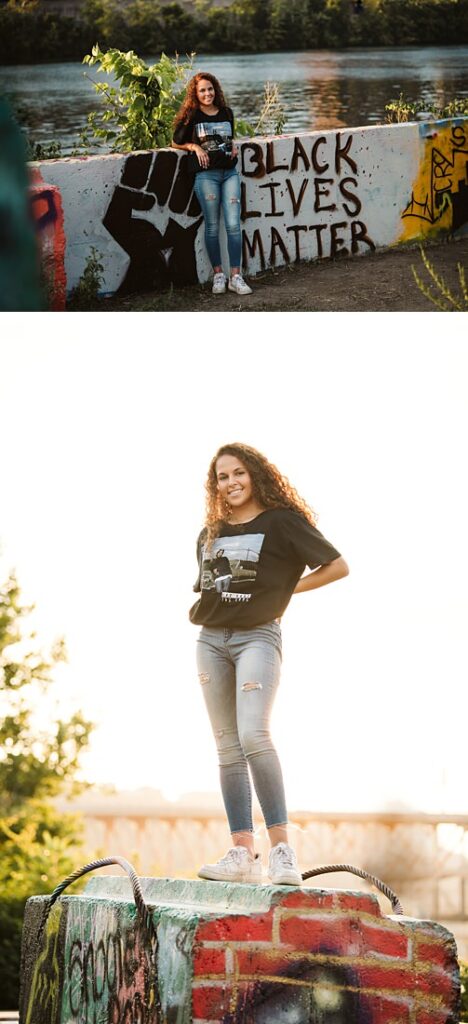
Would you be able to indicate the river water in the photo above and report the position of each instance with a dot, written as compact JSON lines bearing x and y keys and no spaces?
{"x":319,"y":88}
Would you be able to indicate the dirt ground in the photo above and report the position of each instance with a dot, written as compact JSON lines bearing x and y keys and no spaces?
{"x":382,"y":282}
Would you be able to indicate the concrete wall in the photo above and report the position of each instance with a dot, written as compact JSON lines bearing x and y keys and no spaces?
{"x":307,"y":197}
{"x":235,"y":955}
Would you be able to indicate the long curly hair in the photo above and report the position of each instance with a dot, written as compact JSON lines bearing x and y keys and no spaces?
{"x":191,"y":102}
{"x":269,"y":487}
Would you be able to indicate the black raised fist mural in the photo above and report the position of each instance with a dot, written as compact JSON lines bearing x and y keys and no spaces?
{"x":155,"y":181}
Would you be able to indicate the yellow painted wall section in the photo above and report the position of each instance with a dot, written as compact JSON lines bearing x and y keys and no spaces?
{"x":439,"y":190}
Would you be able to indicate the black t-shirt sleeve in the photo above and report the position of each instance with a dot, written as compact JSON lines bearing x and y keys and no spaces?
{"x":307,"y":545}
{"x":183,"y":133}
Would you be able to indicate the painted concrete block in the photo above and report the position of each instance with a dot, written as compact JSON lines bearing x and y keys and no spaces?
{"x":304,"y":197}
{"x":233,"y":954}
{"x":47,"y":212}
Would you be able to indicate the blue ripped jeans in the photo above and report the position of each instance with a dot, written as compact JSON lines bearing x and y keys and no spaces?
{"x":214,"y":189}
{"x":239,"y":674}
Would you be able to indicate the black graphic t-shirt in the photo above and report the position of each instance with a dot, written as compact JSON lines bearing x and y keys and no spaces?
{"x":214,"y":133}
{"x":251,"y":570}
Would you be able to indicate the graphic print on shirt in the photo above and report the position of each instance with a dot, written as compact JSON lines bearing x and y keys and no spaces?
{"x":232,"y":563}
{"x":216,"y":137}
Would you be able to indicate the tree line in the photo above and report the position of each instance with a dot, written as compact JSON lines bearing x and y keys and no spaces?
{"x":39,"y":845}
{"x":30,"y":33}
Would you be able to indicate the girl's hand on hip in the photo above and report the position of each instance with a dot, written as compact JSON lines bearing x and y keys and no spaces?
{"x":203,"y":158}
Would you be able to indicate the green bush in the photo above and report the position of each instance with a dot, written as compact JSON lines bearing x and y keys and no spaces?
{"x":403,"y":109}
{"x":11,"y":923}
{"x":86,"y":292}
{"x":38,"y":845}
{"x":139,"y":112}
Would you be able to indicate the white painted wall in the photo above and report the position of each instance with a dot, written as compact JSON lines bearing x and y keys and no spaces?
{"x":307,"y":196}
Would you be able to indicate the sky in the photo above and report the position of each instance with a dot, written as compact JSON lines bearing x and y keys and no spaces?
{"x":109,"y":424}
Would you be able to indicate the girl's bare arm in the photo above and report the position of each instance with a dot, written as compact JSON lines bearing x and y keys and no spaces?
{"x":320,"y":577}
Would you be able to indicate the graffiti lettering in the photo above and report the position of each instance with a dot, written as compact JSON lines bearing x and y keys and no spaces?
{"x":254,"y":165}
{"x":321,"y":192}
{"x":318,"y":228}
{"x":277,"y":243}
{"x":273,"y":212}
{"x":440,"y":195}
{"x":341,"y":153}
{"x":299,"y":153}
{"x":337,"y":244}
{"x":296,"y":200}
{"x":318,"y":168}
{"x":317,"y":191}
{"x":43,"y":1005}
{"x":155,"y":217}
{"x":296,"y":229}
{"x":245,"y":213}
{"x":271,"y":164}
{"x":349,"y":195}
{"x":359,"y":234}
{"x":458,"y":137}
{"x":329,"y":241}
{"x":114,"y":980}
{"x":249,"y":248}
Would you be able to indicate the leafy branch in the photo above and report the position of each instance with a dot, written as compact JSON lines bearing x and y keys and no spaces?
{"x":139,"y":112}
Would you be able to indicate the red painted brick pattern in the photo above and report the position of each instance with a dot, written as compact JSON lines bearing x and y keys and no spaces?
{"x":318,"y":900}
{"x":313,"y":934}
{"x":262,"y":962}
{"x":337,"y":947}
{"x":364,"y":904}
{"x":209,"y":1002}
{"x":306,"y":901}
{"x":390,"y":942}
{"x":228,"y":929}
{"x":430,"y":983}
{"x":385,"y":1011}
{"x":434,"y":953}
{"x":343,"y":933}
{"x":208,"y":961}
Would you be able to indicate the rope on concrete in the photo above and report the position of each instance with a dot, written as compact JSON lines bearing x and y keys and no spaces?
{"x":142,"y":908}
{"x":329,"y":868}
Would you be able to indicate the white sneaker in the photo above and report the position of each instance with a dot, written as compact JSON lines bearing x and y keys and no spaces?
{"x":219,"y":284}
{"x":282,"y":867}
{"x":237,"y":284}
{"x":236,"y":866}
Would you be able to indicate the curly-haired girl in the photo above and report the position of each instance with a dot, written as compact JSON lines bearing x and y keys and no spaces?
{"x":258,"y":537}
{"x":204,"y":126}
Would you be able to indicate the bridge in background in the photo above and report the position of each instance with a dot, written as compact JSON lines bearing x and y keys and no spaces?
{"x":423,"y":857}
